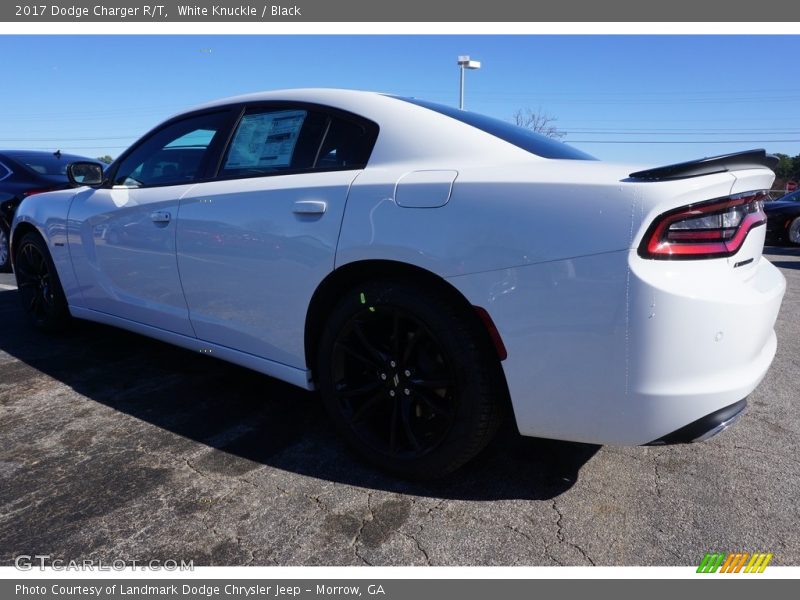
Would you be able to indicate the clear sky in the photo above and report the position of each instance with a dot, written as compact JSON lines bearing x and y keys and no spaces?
{"x":650,"y":99}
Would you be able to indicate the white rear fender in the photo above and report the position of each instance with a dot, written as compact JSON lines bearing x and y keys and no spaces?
{"x":495,"y":217}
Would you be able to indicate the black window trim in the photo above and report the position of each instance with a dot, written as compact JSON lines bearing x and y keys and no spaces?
{"x":204,"y":170}
{"x":372,"y":128}
{"x":212,"y":163}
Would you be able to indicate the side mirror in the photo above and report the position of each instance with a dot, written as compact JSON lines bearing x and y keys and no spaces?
{"x":85,"y":173}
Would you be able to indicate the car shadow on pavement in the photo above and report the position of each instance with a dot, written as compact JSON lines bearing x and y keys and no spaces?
{"x":245,"y":419}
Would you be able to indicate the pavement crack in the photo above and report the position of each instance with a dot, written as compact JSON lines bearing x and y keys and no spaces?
{"x":318,"y":503}
{"x":519,"y":532}
{"x":422,"y":550}
{"x":583,"y":553}
{"x":562,"y":537}
{"x":195,"y":469}
{"x":560,"y":530}
{"x":656,"y":476}
{"x":369,"y":517}
{"x":361,"y":558}
{"x":438,"y":507}
{"x":251,"y":552}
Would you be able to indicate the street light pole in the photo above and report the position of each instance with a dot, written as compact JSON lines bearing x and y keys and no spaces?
{"x":465,"y":63}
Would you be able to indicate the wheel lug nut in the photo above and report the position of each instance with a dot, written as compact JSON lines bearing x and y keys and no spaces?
{"x":391,"y":393}
{"x":383,"y":376}
{"x":407,"y":373}
{"x":407,"y":392}
{"x":392,"y":363}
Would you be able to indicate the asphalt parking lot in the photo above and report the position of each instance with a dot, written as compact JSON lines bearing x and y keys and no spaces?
{"x":113,"y":446}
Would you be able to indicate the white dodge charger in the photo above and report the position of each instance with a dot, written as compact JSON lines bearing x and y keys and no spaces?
{"x":429,"y":270}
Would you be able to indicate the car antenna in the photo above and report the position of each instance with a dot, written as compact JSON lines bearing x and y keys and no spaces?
{"x":57,"y":153}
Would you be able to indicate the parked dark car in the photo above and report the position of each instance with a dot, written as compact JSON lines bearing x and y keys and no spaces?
{"x":22,"y":174}
{"x":783,"y":220}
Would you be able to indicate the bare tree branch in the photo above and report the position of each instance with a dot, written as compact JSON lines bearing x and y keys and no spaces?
{"x":539,"y":122}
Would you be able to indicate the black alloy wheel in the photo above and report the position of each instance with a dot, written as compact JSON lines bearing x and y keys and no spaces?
{"x":39,"y":287}
{"x":394,"y":386}
{"x":5,"y":255}
{"x":408,"y":380}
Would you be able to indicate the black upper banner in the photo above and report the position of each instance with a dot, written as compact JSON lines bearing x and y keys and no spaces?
{"x":496,"y":11}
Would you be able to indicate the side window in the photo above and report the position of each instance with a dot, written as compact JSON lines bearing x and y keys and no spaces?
{"x":346,"y":145}
{"x":4,"y":171}
{"x":271,"y":141}
{"x":172,"y":155}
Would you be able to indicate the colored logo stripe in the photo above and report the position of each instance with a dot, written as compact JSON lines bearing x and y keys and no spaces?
{"x":758,"y":563}
{"x":733,"y":563}
{"x":711,"y":562}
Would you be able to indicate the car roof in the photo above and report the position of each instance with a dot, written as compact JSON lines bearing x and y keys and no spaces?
{"x":321,"y":95}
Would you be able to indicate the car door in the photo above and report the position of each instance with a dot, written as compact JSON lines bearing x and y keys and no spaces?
{"x":122,"y":236}
{"x":254,"y":244}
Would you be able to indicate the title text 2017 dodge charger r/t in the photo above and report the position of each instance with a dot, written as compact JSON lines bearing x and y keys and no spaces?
{"x":429,"y":270}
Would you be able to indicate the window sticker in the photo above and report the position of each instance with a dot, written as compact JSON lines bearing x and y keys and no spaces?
{"x":265,"y":140}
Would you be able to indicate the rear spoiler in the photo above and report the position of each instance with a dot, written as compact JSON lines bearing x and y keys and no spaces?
{"x":749,"y":159}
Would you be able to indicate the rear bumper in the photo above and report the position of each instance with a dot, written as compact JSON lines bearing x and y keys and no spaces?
{"x":615,"y":349}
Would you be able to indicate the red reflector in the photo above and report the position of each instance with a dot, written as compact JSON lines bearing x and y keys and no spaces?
{"x":710,"y":229}
{"x":494,"y":335}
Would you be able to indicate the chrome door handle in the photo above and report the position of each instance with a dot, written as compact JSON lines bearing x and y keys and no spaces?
{"x":160,"y":217}
{"x":309,"y":207}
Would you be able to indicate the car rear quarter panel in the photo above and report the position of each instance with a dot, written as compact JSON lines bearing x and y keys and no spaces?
{"x":603,"y":346}
{"x":504,"y":216}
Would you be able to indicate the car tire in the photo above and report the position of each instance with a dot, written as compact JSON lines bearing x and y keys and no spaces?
{"x":408,"y":379}
{"x":5,"y":255}
{"x":39,"y":287}
{"x":793,"y":232}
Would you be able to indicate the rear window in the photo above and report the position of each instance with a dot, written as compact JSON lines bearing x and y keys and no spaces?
{"x":521,"y":137}
{"x":48,"y":165}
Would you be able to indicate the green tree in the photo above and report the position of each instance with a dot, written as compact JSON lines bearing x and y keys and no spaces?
{"x":106,"y":159}
{"x":784,"y":168}
{"x":787,"y":169}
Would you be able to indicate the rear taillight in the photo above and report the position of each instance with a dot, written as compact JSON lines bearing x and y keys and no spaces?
{"x":705,"y":230}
